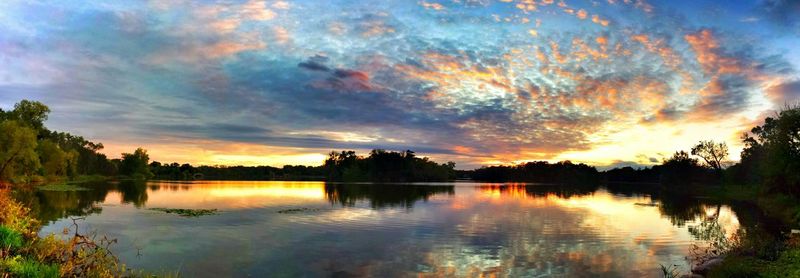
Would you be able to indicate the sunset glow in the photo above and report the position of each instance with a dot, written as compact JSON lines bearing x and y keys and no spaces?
{"x":477,"y":82}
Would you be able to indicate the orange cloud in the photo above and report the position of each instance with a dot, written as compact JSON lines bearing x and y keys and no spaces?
{"x":659,"y":47}
{"x":582,"y":14}
{"x":375,"y":28}
{"x":281,"y":35}
{"x":434,"y":6}
{"x":257,"y":10}
{"x":707,"y":51}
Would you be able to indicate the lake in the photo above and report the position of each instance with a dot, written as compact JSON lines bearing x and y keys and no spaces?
{"x":296,"y":229}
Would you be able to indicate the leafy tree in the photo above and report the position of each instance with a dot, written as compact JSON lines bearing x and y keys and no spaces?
{"x":338,"y":162}
{"x":30,"y":113}
{"x":385,"y":166}
{"x":773,"y":151}
{"x":564,"y":172}
{"x":713,"y":153}
{"x":681,"y":170}
{"x":52,"y":158}
{"x":17,"y":149}
{"x":63,"y":154}
{"x":135,"y":164}
{"x":88,"y":160}
{"x":72,"y":163}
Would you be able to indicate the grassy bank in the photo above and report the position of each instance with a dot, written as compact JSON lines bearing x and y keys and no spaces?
{"x":23,"y":253}
{"x":787,"y":264}
{"x":754,"y":254}
{"x":778,"y":206}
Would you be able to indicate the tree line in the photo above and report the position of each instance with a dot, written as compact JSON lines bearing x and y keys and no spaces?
{"x":770,"y":161}
{"x":564,"y":172}
{"x":385,"y":166}
{"x":345,"y":166}
{"x":29,"y":152}
{"x":176,"y":171}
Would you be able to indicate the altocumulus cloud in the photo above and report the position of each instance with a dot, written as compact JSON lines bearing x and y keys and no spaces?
{"x":473,"y":81}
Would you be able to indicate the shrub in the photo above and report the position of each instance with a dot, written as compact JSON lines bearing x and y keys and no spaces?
{"x":14,"y":216}
{"x":24,"y":254}
{"x":21,"y":267}
{"x":735,"y":266}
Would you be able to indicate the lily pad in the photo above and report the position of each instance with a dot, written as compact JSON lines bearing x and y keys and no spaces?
{"x":187,"y":212}
{"x":296,"y":210}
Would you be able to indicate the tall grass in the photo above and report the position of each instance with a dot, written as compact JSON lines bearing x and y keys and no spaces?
{"x":9,"y":239}
{"x":24,"y":254}
{"x":670,"y":271}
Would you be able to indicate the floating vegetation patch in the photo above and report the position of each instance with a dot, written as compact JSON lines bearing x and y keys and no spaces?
{"x":62,"y":187}
{"x":297,"y":210}
{"x":187,"y":212}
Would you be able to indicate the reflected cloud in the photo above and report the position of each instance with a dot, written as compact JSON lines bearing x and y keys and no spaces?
{"x":460,"y":229}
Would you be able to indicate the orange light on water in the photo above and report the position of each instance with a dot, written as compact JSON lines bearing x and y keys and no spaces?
{"x":305,"y":192}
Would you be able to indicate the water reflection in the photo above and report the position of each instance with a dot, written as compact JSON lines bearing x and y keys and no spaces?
{"x":458,"y":229}
{"x":540,"y":190}
{"x":380,"y":196}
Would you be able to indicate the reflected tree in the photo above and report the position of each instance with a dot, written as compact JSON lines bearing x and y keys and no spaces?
{"x":133,"y":192}
{"x":382,"y":195}
{"x":679,"y":208}
{"x":48,"y":206}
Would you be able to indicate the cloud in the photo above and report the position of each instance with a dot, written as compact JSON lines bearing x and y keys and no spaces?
{"x":622,"y":164}
{"x":312,"y":65}
{"x":785,"y":93}
{"x":344,"y":73}
{"x":302,"y":74}
{"x":782,"y":12}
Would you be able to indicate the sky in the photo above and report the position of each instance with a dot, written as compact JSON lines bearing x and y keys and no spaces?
{"x":478,"y":82}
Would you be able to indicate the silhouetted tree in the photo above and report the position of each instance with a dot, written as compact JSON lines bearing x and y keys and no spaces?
{"x":564,"y":172}
{"x":681,"y":171}
{"x":712,"y":153}
{"x":773,"y":152}
{"x":386,"y":166}
{"x":630,"y":175}
{"x":135,"y":164}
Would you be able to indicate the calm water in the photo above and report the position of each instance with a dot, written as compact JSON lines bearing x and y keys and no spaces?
{"x":388,"y":230}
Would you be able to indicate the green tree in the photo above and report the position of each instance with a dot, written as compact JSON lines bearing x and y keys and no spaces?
{"x":52,"y":158}
{"x":135,"y":164}
{"x":17,"y":150}
{"x":30,"y":113}
{"x":72,"y":163}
